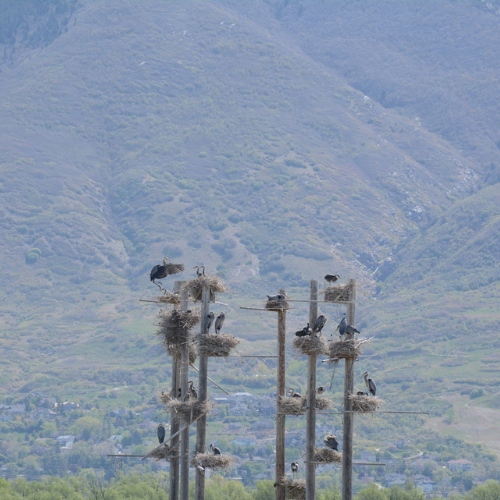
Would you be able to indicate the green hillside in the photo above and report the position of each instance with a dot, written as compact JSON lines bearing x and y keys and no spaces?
{"x":272,"y":142}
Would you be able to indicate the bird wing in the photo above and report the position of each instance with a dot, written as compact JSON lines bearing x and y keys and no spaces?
{"x":152,"y":275}
{"x":373,"y":387}
{"x":174,"y":268}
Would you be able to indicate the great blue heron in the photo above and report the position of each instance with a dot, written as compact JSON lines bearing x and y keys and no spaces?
{"x":351,"y":330}
{"x":370,"y":384}
{"x":214,"y":449}
{"x":332,"y":278}
{"x":293,"y":394}
{"x":320,"y":323}
{"x":192,"y":390}
{"x":320,"y":390}
{"x":342,"y":327}
{"x":304,"y":332}
{"x":295,"y":467}
{"x":209,"y":321}
{"x":219,"y":322}
{"x":198,"y":272}
{"x":331,"y":442}
{"x":160,"y":432}
{"x":279,"y":296}
{"x":159,"y":271}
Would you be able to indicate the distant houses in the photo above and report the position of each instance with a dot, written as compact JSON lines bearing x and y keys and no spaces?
{"x":460,"y":465}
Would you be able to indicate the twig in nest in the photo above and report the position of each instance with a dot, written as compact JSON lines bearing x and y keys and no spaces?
{"x":187,"y":411}
{"x":213,"y":461}
{"x":294,"y":488}
{"x":195,"y":287}
{"x":327,"y":456}
{"x":339,"y":293}
{"x":350,"y":348}
{"x":310,"y":345}
{"x":365,"y":404}
{"x":219,"y":345}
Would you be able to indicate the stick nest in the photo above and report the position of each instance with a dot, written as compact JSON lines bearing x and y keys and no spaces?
{"x":205,"y":460}
{"x":350,"y":348}
{"x":294,"y":488}
{"x":298,"y":406}
{"x":195,"y":287}
{"x":170,"y":298}
{"x":327,"y":456}
{"x":365,"y":404}
{"x":175,"y":350}
{"x":187,"y":411}
{"x":339,"y":293}
{"x":218,"y":345}
{"x":164,"y":452}
{"x":174,"y":326}
{"x":277,"y":305}
{"x":310,"y":345}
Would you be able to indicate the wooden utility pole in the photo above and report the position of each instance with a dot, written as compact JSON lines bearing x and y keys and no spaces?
{"x":280,"y":417}
{"x":184,"y":391}
{"x":201,"y":426}
{"x":311,"y":401}
{"x":174,"y":421}
{"x":348,"y":414}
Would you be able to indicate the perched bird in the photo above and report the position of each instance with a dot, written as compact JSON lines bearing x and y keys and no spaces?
{"x":198,"y":272}
{"x":304,"y":332}
{"x":342,"y":327}
{"x":219,"y":322}
{"x":331,"y":442}
{"x":159,"y":271}
{"x":332,"y":278}
{"x":293,"y":394}
{"x":295,"y":467}
{"x":160,"y":432}
{"x":351,"y":330}
{"x":214,"y":449}
{"x":361,"y":393}
{"x":320,"y":390}
{"x":209,"y":321}
{"x":320,"y":323}
{"x":370,"y":384}
{"x":180,"y":393}
{"x":279,"y":296}
{"x":192,"y":390}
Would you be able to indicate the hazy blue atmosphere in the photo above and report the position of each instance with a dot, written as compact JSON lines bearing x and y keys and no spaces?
{"x":273,"y":142}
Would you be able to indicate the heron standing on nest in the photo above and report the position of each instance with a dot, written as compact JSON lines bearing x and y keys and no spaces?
{"x":160,"y":432}
{"x":342,"y":327}
{"x":331,"y":442}
{"x":219,"y":322}
{"x":279,"y":296}
{"x":295,"y":467}
{"x":370,"y":384}
{"x":209,"y":321}
{"x":320,"y":323}
{"x":293,"y":394}
{"x":214,"y":449}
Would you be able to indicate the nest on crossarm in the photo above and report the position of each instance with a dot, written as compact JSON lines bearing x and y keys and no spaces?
{"x":277,"y":305}
{"x":327,"y":456}
{"x":338,"y":293}
{"x":341,"y":349}
{"x":218,"y":345}
{"x":174,"y":326}
{"x":292,"y":406}
{"x":164,"y":452}
{"x":221,"y":462}
{"x":323,"y":403}
{"x":188,"y":411}
{"x":294,"y":488}
{"x":195,"y":287}
{"x":170,"y":298}
{"x":310,"y":345}
{"x":365,"y":404}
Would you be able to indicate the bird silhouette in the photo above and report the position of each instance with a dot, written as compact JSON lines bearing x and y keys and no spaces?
{"x":219,"y":322}
{"x":160,"y":432}
{"x":332,"y":278}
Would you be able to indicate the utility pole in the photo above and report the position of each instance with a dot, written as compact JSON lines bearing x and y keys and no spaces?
{"x":280,"y":417}
{"x":348,"y":413}
{"x":311,"y":401}
{"x":184,"y":391}
{"x":201,"y":426}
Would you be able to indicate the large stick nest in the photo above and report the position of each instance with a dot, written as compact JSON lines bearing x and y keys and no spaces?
{"x":298,"y":406}
{"x":218,"y":345}
{"x":350,"y":348}
{"x":338,"y":293}
{"x":310,"y":345}
{"x":170,"y":298}
{"x":294,"y":488}
{"x":365,"y":404}
{"x":174,"y":326}
{"x":277,"y":305}
{"x":188,"y":411}
{"x":174,"y":350}
{"x":164,"y":452}
{"x":213,"y":461}
{"x":195,"y":287}
{"x":327,"y":456}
